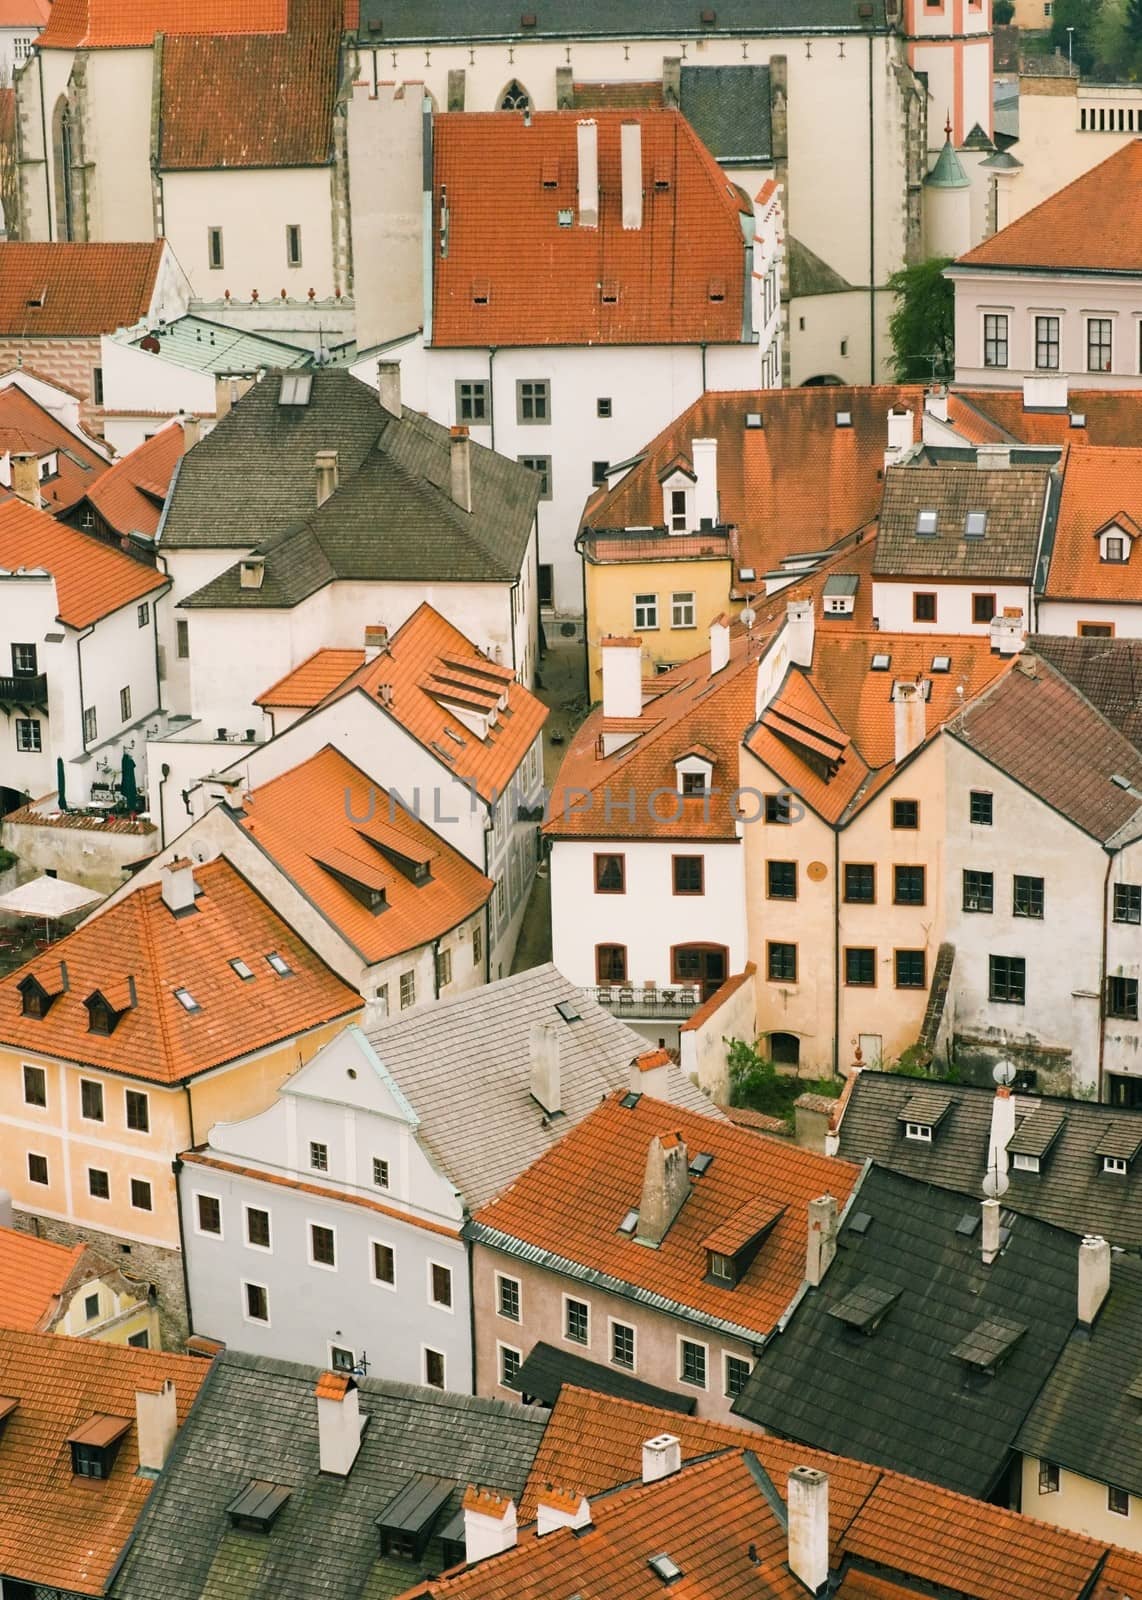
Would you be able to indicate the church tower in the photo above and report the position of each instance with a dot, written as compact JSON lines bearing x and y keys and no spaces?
{"x":949,"y":41}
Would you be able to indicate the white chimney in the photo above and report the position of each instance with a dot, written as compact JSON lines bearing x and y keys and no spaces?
{"x":631,"y":137}
{"x":339,"y":1423}
{"x":1050,"y":393}
{"x":490,"y":1525}
{"x":1006,"y":633}
{"x":995,"y":1179}
{"x":325,"y":467}
{"x":649,"y":1074}
{"x":719,"y":643}
{"x":461,"y":467}
{"x":807,"y":1503}
{"x":622,"y":677}
{"x":799,"y":632}
{"x":899,"y":435}
{"x":989,"y":1231}
{"x":544,"y":1046}
{"x":376,"y":640}
{"x":251,"y":572}
{"x":910,"y":718}
{"x":388,"y":386}
{"x":936,"y":403}
{"x":191,"y":431}
{"x":178,"y":885}
{"x":26,"y":478}
{"x":1094,"y":1278}
{"x":992,"y":457}
{"x":588,"y":152}
{"x":156,"y":1423}
{"x":665,"y":1186}
{"x":821,"y":1241}
{"x":704,"y":455}
{"x":661,"y":1457}
{"x":560,"y":1508}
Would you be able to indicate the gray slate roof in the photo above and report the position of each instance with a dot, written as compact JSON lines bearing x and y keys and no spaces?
{"x":464,"y":1064}
{"x":1012,"y":497}
{"x":1086,"y":1419}
{"x":728,"y":108}
{"x":437,"y":21}
{"x":897,"y":1396}
{"x":1070,"y":1191}
{"x":257,"y":1418}
{"x":251,"y":484}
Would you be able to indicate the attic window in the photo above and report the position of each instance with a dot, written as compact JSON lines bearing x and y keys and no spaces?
{"x":1078,"y":419}
{"x":701,"y":1164}
{"x":720,"y":1267}
{"x":661,"y":175}
{"x":844,"y":419}
{"x":880,"y":662}
{"x":450,"y":733}
{"x":35,"y":1001}
{"x":865,"y":1307}
{"x":101,"y":1015}
{"x":258,"y":1505}
{"x":716,"y":289}
{"x":975,"y":525}
{"x":37,"y":299}
{"x":989,"y":1343}
{"x":1116,"y":1164}
{"x":609,"y":292}
{"x":1025,"y":1163}
{"x":920,"y":1131}
{"x":481,"y":292}
{"x":280,"y":965}
{"x":665,"y":1568}
{"x":295,"y":389}
{"x":186,"y":1000}
{"x":406,"y":1523}
{"x":243,"y":971}
{"x":926,"y":524}
{"x":629,"y":1101}
{"x":95,"y":1445}
{"x":629,"y":1222}
{"x":941,"y":664}
{"x":566,"y":216}
{"x":861,"y":1223}
{"x":568,"y":1010}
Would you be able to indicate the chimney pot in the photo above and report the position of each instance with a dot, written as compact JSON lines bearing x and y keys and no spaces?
{"x":807,"y":1504}
{"x":388,"y":386}
{"x":649,"y":1074}
{"x":622,"y":677}
{"x":156,"y":1423}
{"x":661,"y":1457}
{"x":799,"y":628}
{"x":560,"y":1508}
{"x":899,"y":435}
{"x":339,"y":1423}
{"x":461,"y":468}
{"x":936,"y":403}
{"x":490,"y":1525}
{"x":1094,"y":1278}
{"x":910,"y":716}
{"x":325,"y":466}
{"x":544,"y":1046}
{"x":989,"y":1231}
{"x":631,"y":164}
{"x":26,"y":478}
{"x":821,"y":1241}
{"x":376,"y":640}
{"x":704,"y":456}
{"x":587,"y":145}
{"x":665,"y":1187}
{"x":178,"y":885}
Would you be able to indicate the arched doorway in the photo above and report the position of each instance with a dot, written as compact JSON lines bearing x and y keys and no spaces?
{"x":515,"y":97}
{"x":784,"y":1049}
{"x":704,"y":965}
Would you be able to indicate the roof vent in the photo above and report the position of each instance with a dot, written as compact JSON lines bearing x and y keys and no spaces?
{"x":754,"y":419}
{"x":844,"y":419}
{"x":662,"y":1565}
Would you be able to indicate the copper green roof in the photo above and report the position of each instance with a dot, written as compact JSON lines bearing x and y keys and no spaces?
{"x":948,"y":173}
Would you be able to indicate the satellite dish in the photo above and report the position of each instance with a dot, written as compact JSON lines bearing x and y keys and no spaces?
{"x":749,"y":616}
{"x":1003,"y":1072}
{"x":995,"y":1184}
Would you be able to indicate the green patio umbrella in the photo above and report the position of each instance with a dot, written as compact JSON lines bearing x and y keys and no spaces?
{"x":127,"y":785}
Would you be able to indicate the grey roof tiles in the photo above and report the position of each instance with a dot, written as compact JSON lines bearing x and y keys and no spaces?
{"x":1012,"y":499}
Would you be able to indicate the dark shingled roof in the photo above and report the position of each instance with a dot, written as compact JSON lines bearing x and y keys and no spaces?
{"x":1035,"y":726}
{"x":1108,"y":672}
{"x":899,"y":1395}
{"x":251,"y":483}
{"x":257,"y":1418}
{"x":547,"y":1369}
{"x":1086,"y":1419}
{"x":1070,"y":1191}
{"x":1012,"y":497}
{"x":728,"y":108}
{"x":438,"y":21}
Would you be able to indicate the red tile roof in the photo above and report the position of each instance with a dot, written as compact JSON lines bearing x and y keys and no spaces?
{"x":1100,"y":486}
{"x":139,"y":939}
{"x":306,"y":686}
{"x":986,"y":416}
{"x":327,"y":811}
{"x":24,"y":426}
{"x":107,"y":24}
{"x":92,"y":580}
{"x":573,"y":1198}
{"x":1058,"y":233}
{"x":130,"y":495}
{"x":507,"y":181}
{"x":33,"y":1273}
{"x":24,"y":13}
{"x":222,"y":96}
{"x":430,"y":665}
{"x":80,"y":289}
{"x":60,"y":1531}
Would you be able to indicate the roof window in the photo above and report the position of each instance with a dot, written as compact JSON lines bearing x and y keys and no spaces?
{"x":844,"y":419}
{"x":701,"y":1164}
{"x":716,"y":289}
{"x":629,"y":1222}
{"x":295,"y":389}
{"x":880,"y":662}
{"x":481,"y":292}
{"x":609,"y":292}
{"x":861,"y":1223}
{"x":926,"y":523}
{"x":406,"y":1523}
{"x":629,"y":1101}
{"x":243,"y":971}
{"x":920,"y":1131}
{"x":1022,"y":1162}
{"x":568,"y":1010}
{"x":566,"y":216}
{"x":186,"y":1000}
{"x":922,"y":1113}
{"x":754,"y":419}
{"x":95,"y":1445}
{"x":280,"y":965}
{"x":975,"y":524}
{"x":664,"y":1567}
{"x":1078,"y":419}
{"x":941,"y":664}
{"x":258,"y":1505}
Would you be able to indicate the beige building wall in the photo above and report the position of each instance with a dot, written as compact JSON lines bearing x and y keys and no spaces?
{"x":120,"y":1316}
{"x":1065,"y":129}
{"x":385,"y":136}
{"x":1081,"y":1504}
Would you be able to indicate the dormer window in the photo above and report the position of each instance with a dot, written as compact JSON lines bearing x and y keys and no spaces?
{"x":1025,"y":1163}
{"x":257,"y":1505}
{"x":922,"y":1114}
{"x":920,"y":1131}
{"x":1118,"y":1165}
{"x":694,"y":782}
{"x":35,"y":1001}
{"x":95,"y":1446}
{"x":1114,"y":547}
{"x":720,"y":1267}
{"x":101,"y":1014}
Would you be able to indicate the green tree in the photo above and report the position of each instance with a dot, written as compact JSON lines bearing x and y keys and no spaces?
{"x":1082,"y":16}
{"x":1003,"y":12}
{"x":1132,"y":38}
{"x":922,"y":327}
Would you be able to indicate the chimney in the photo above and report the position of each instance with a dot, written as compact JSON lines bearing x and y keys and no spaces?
{"x":807,"y":1504}
{"x":156,"y":1423}
{"x":622,"y":677}
{"x":544,"y":1047}
{"x":799,"y":632}
{"x":665,"y":1186}
{"x":388,"y":385}
{"x":995,"y":1179}
{"x":191,"y":431}
{"x":26,"y":478}
{"x":704,"y":455}
{"x":178,"y":885}
{"x":899,"y":435}
{"x":719,"y":643}
{"x":631,"y":137}
{"x":489,"y":1524}
{"x":936,"y":403}
{"x":376,"y":640}
{"x":649,"y":1074}
{"x":339,"y":1423}
{"x":992,"y":457}
{"x":251,"y":572}
{"x":661,"y":1457}
{"x":1094,"y":1278}
{"x":910,"y":718}
{"x":560,"y":1508}
{"x":1006,"y":633}
{"x":7,"y":1210}
{"x":821,"y":1241}
{"x":460,"y":447}
{"x":325,"y":466}
{"x":588,"y":152}
{"x":989,"y":1233}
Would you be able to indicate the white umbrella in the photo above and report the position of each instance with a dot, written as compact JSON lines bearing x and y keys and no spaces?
{"x":47,"y":897}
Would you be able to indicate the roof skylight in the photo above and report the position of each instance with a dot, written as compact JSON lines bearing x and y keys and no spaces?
{"x":186,"y":1000}
{"x":881,"y":662}
{"x":664,"y":1567}
{"x":280,"y":965}
{"x":844,"y":419}
{"x":975,"y":524}
{"x":941,"y":664}
{"x":295,"y":389}
{"x":243,"y":971}
{"x":629,"y":1222}
{"x":926,"y":523}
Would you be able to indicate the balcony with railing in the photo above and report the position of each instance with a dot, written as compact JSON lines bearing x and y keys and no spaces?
{"x":647,"y":1000}
{"x":28,"y":690}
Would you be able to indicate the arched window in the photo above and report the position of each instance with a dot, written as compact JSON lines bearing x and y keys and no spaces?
{"x":63,"y":151}
{"x":515,"y":97}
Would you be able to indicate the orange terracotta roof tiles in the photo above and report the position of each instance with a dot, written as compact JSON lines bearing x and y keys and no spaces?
{"x":1100,"y":486}
{"x":429,"y":664}
{"x":33,"y":1273}
{"x":110,"y":24}
{"x":92,"y":580}
{"x":27,"y":426}
{"x":130,"y":495}
{"x":1058,"y":234}
{"x":332,"y":1386}
{"x":677,"y":279}
{"x":306,"y":686}
{"x":78,"y":289}
{"x":1110,"y":416}
{"x":573,"y":1198}
{"x":327,"y":804}
{"x":138,"y":939}
{"x":60,"y":1531}
{"x":24,"y":13}
{"x":490,"y":1502}
{"x":758,"y":1121}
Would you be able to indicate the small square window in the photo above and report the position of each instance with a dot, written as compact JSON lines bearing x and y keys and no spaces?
{"x":926,"y":522}
{"x":781,"y":880}
{"x":689,"y":874}
{"x":975,"y":524}
{"x":860,"y":968}
{"x":979,"y":891}
{"x":318,"y":1156}
{"x":603,"y":408}
{"x":141,"y":1194}
{"x":1028,"y":896}
{"x":29,"y":736}
{"x":1128,"y":902}
{"x":542,"y":466}
{"x":908,"y":886}
{"x":860,"y":883}
{"x":1122,"y":998}
{"x":576,"y":1321}
{"x":209,"y":1214}
{"x":98,"y":1184}
{"x":778,"y":808}
{"x":1007,"y":979}
{"x":910,"y":969}
{"x":340,"y":1359}
{"x":923,"y":607}
{"x":35,"y":1086}
{"x":982,"y":607}
{"x":981,"y":808}
{"x":384,"y":1263}
{"x":380,"y":1173}
{"x":473,"y":400}
{"x":37,"y":1169}
{"x":781,"y":962}
{"x":906,"y":813}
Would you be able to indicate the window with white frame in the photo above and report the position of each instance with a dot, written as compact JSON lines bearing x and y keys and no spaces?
{"x":1117,"y":1165}
{"x":29,"y":736}
{"x":510,"y":1362}
{"x":383,"y":1261}
{"x":623,"y":1345}
{"x":576,"y":1320}
{"x":440,"y":1285}
{"x":645,"y":612}
{"x":682,"y":609}
{"x":692,"y":1363}
{"x":920,"y":1131}
{"x":995,"y":339}
{"x":508,"y":1303}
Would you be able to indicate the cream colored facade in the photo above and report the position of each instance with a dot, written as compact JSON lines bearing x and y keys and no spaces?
{"x":1066,"y":127}
{"x":688,"y":594}
{"x":1081,"y":1504}
{"x":119,"y":1315}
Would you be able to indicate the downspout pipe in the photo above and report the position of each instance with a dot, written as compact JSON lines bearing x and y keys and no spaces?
{"x":871,"y":225}
{"x":836,"y":952}
{"x":1100,"y":1082}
